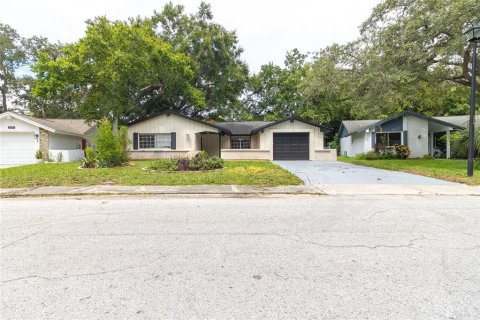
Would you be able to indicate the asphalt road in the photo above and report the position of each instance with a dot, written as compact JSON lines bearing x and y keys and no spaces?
{"x":304,"y":257}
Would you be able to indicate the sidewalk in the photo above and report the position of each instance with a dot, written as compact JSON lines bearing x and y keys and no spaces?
{"x":232,"y":190}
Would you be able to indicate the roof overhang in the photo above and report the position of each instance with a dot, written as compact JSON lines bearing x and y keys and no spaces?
{"x":292,"y":118}
{"x":402,"y":114}
{"x":170,"y":112}
{"x":32,"y":122}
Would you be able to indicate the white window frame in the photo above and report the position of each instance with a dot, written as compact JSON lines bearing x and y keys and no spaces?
{"x":242,"y":142}
{"x":388,"y":139}
{"x":157,"y":141}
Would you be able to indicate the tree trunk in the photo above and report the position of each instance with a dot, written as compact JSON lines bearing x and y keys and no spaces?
{"x":4,"y":98}
{"x":115,"y":125}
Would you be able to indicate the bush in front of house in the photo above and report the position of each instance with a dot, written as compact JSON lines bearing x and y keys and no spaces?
{"x":39,"y":155}
{"x":90,"y":160}
{"x":198,"y":162}
{"x":111,"y":148}
{"x":401,"y":151}
{"x":381,"y":152}
{"x":164,"y":165}
{"x":459,"y":144}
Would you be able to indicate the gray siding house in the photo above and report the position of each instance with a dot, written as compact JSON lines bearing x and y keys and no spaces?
{"x":423,"y":135}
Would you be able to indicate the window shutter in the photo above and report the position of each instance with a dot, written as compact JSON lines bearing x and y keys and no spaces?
{"x":135,"y":141}
{"x":373,"y":139}
{"x":173,"y":143}
{"x":405,"y":138}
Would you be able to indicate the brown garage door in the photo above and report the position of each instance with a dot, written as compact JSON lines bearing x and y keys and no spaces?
{"x":290,"y":146}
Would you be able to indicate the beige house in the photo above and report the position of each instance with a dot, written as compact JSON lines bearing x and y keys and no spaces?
{"x":170,"y":134}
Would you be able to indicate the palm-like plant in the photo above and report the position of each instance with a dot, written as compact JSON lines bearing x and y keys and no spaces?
{"x":459,"y":147}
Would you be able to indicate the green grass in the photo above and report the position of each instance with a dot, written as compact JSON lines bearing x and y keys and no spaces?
{"x":446,"y":169}
{"x":256,"y":173}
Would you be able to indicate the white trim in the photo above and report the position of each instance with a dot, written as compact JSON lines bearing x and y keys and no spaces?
{"x":19,"y":117}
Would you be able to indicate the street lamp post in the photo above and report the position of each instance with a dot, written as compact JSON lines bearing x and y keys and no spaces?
{"x":473,"y":36}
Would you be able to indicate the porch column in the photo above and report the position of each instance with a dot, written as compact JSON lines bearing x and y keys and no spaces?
{"x":448,"y":145}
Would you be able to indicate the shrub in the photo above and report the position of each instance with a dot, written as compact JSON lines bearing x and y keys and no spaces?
{"x":372,"y":155}
{"x":200,"y":161}
{"x":111,"y":149}
{"x":427,"y":157}
{"x":164,"y":165}
{"x":402,"y":152}
{"x":380,"y":148}
{"x":90,"y":160}
{"x":39,"y":155}
{"x":459,"y":143}
{"x":213,"y":163}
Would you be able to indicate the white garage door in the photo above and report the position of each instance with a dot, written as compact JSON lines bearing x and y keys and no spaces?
{"x":17,"y":148}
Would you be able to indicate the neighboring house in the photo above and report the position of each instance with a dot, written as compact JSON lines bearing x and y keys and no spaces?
{"x":170,"y":134}
{"x":423,"y":135}
{"x":21,"y":136}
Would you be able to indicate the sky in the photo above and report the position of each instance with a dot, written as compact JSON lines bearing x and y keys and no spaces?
{"x":266,"y":28}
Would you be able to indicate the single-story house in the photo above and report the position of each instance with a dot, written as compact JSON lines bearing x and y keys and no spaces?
{"x":169,"y":134}
{"x":21,"y":136}
{"x":423,"y":135}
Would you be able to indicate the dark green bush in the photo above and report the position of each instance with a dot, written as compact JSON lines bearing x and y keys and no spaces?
{"x":111,"y":149}
{"x":200,"y":161}
{"x":372,"y":155}
{"x":164,"y":165}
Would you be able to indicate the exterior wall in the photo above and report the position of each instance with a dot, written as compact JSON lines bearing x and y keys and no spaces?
{"x":416,"y":128}
{"x":359,"y":144}
{"x":186,"y":130}
{"x":255,"y":141}
{"x":325,"y":155}
{"x":245,"y":154}
{"x":315,"y":136}
{"x":346,"y":146}
{"x":159,"y":154}
{"x":64,"y":142}
{"x":67,"y":155}
{"x":225,"y":142}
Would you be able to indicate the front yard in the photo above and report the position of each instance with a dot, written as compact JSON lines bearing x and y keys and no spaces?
{"x":446,"y":169}
{"x":256,"y":173}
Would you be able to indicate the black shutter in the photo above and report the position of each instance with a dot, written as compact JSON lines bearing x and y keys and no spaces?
{"x":374,"y":136}
{"x":405,"y":138}
{"x":173,"y":142}
{"x":135,"y":141}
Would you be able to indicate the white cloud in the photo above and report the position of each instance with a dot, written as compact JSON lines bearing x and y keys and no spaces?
{"x":266,"y":28}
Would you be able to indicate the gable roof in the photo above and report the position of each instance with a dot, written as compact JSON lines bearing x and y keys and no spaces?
{"x":169,"y":112}
{"x":459,"y":120}
{"x":357,"y":126}
{"x":292,"y":118}
{"x":242,"y":128}
{"x":63,"y":126}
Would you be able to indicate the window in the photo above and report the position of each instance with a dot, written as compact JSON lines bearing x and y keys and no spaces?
{"x":240,"y":142}
{"x":440,"y":140}
{"x":389,"y":138}
{"x":155,"y":141}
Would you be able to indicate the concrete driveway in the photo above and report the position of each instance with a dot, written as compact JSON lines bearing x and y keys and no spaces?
{"x":335,"y":172}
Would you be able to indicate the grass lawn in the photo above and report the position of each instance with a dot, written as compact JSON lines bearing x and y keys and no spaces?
{"x":256,"y":173}
{"x":446,"y":169}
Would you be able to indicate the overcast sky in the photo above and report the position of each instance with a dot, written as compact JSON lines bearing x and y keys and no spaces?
{"x":266,"y":28}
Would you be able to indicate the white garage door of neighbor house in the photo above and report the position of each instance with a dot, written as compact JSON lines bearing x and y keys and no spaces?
{"x":17,"y":148}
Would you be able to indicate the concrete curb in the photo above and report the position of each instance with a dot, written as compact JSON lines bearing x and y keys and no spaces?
{"x":234,"y":190}
{"x":159,"y":190}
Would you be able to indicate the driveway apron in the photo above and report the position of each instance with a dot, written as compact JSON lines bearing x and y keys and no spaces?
{"x":335,"y":172}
